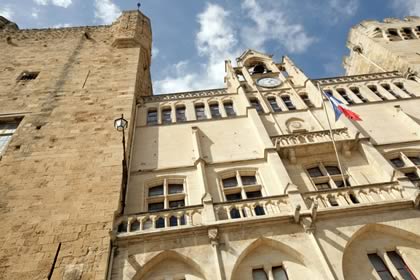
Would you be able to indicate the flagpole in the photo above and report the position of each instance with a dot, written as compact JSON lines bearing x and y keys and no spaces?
{"x":332,"y":136}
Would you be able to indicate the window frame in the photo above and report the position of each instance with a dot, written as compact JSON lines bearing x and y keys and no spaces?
{"x":200,"y":115}
{"x":409,"y":167}
{"x":148,"y":118}
{"x":166,"y":197}
{"x":240,"y":188}
{"x":326,"y":177}
{"x":229,"y":112}
{"x":7,"y":133}
{"x":180,"y":108}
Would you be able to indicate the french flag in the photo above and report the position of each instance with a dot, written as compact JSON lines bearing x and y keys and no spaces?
{"x":341,"y":108}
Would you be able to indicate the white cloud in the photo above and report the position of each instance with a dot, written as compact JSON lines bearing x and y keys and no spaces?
{"x":106,"y":11}
{"x":344,"y":7}
{"x":61,"y":25}
{"x":59,"y":3}
{"x":7,"y":12}
{"x":215,"y":42}
{"x":271,"y":23}
{"x":155,"y":52}
{"x":407,"y":7}
{"x":35,"y":13}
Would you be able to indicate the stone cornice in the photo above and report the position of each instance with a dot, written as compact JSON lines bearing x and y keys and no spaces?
{"x":357,"y":78}
{"x":186,"y":95}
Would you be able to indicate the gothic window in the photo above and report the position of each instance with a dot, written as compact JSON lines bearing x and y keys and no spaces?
{"x":259,"y":274}
{"x":228,"y":105}
{"x":402,"y":87}
{"x":380,"y":267}
{"x":374,"y":89}
{"x":327,"y":176}
{"x":256,"y":104}
{"x":342,"y":92}
{"x":241,"y":185}
{"x":400,"y":265}
{"x":258,"y":68}
{"x":306,"y":100}
{"x":200,"y":112}
{"x":180,"y":113}
{"x":27,"y":76}
{"x":393,"y":35}
{"x":288,"y":102}
{"x":278,"y":272}
{"x":407,"y":33}
{"x":166,"y":194}
{"x":152,"y":116}
{"x":214,"y":110}
{"x":390,"y":90}
{"x":356,"y":92}
{"x":273,"y":104}
{"x":7,"y":128}
{"x":166,"y":115}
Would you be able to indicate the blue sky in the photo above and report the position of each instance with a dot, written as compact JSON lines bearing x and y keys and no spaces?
{"x":192,"y":38}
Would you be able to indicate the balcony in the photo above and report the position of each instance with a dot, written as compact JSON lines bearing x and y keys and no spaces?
{"x":355,"y":196}
{"x":314,"y":142}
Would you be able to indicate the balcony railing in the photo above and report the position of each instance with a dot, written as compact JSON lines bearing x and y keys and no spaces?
{"x":242,"y":209}
{"x":307,"y":138}
{"x":366,"y":194}
{"x":148,"y":221}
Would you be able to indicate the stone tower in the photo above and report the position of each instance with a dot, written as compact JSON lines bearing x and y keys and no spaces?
{"x":60,"y":169}
{"x":390,"y":45}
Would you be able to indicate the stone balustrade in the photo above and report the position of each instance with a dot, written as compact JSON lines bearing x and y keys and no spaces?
{"x":366,"y":194}
{"x":149,"y":221}
{"x":242,"y":209}
{"x":314,"y":137}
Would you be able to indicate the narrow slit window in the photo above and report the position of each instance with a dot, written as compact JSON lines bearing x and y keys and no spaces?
{"x":230,"y":112}
{"x":397,"y":162}
{"x":27,"y":76}
{"x":273,"y":104}
{"x":288,"y":102}
{"x":279,"y":273}
{"x":200,"y":112}
{"x":407,"y":33}
{"x":402,"y":87}
{"x":306,"y":100}
{"x":393,"y":35}
{"x":415,"y":160}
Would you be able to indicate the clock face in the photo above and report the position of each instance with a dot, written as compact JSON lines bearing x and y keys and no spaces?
{"x":268,"y":82}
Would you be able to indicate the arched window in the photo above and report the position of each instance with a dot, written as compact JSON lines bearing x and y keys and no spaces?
{"x":180,"y":113}
{"x":200,"y":112}
{"x":273,"y":104}
{"x":374,"y":89}
{"x":214,"y":110}
{"x":393,"y":35}
{"x":228,"y":105}
{"x":166,"y":115}
{"x":343,"y":93}
{"x":306,"y":100}
{"x":402,"y":87}
{"x":356,"y":92}
{"x":407,"y":33}
{"x":152,"y":116}
{"x":288,"y":102}
{"x":388,"y":88}
{"x":256,"y":104}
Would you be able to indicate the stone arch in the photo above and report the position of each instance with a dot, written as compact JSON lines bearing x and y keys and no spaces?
{"x":374,"y":237}
{"x":264,"y":251}
{"x":170,"y":263}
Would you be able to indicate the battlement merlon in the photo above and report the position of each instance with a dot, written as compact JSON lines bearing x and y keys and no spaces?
{"x":131,"y":29}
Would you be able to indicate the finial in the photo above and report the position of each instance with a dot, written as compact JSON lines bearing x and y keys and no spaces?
{"x":138,"y":6}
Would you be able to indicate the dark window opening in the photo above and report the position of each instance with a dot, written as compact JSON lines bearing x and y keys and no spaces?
{"x":314,"y":172}
{"x":343,"y":94}
{"x":155,"y":191}
{"x":323,"y":186}
{"x":160,"y":223}
{"x":402,"y":87}
{"x":175,"y":188}
{"x":306,"y":100}
{"x":152,"y":117}
{"x":230,"y":182}
{"x":380,"y":267}
{"x":200,"y":112}
{"x":333,"y":201}
{"x":180,"y":114}
{"x":353,"y":198}
{"x":253,"y":194}
{"x":374,"y":89}
{"x":388,"y":89}
{"x":173,"y":221}
{"x":397,"y":162}
{"x":26,"y":76}
{"x":166,"y":116}
{"x":135,"y":226}
{"x":401,"y":266}
{"x":288,"y":102}
{"x":233,"y":196}
{"x":256,"y":104}
{"x":274,"y":105}
{"x":407,"y":33}
{"x":248,"y":180}
{"x":176,"y":203}
{"x":412,"y":176}
{"x":356,"y":92}
{"x":259,"y":274}
{"x":259,"y":210}
{"x":393,"y":35}
{"x":333,"y":170}
{"x":234,"y":213}
{"x":415,"y":160}
{"x":214,"y":110}
{"x":279,"y":273}
{"x":122,"y":227}
{"x":229,"y":109}
{"x":340,"y":183}
{"x":156,"y":206}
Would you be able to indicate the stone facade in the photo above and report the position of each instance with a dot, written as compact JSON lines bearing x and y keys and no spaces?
{"x":61,"y":173}
{"x":243,"y":182}
{"x":240,"y":182}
